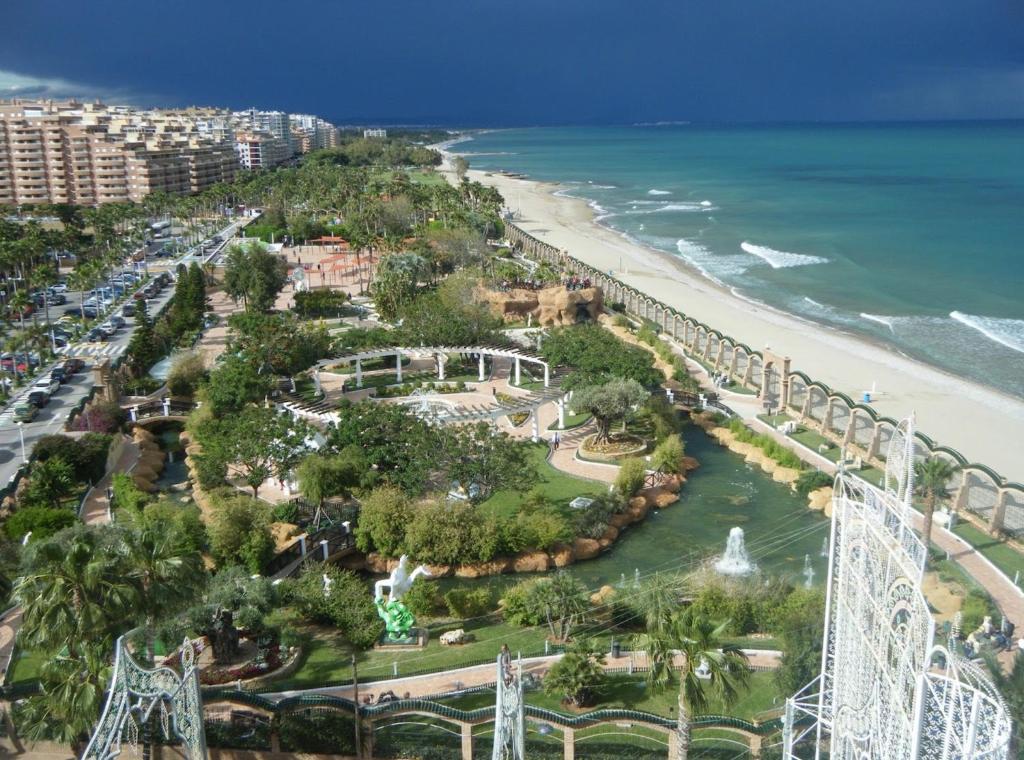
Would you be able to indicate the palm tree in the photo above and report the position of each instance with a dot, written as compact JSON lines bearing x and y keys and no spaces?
{"x":931,"y":478}
{"x":709,"y":668}
{"x":164,"y":573}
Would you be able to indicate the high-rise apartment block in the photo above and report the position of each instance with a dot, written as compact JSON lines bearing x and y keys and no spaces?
{"x":91,"y":153}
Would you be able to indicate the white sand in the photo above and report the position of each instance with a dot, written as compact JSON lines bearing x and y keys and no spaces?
{"x":985,"y":425}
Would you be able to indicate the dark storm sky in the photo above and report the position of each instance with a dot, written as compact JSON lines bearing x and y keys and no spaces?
{"x":483,"y":62}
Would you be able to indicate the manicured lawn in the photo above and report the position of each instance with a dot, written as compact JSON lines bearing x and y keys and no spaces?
{"x":813,"y":440}
{"x":425,"y":178}
{"x":554,"y":484}
{"x":774,"y":420}
{"x":25,"y":666}
{"x":571,"y":421}
{"x":630,"y":692}
{"x":1003,"y":556}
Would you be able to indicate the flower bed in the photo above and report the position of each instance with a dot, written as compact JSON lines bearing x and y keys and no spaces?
{"x":406,"y":389}
{"x":620,"y":446}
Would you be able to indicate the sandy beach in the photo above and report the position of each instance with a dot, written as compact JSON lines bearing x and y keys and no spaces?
{"x":985,"y":425}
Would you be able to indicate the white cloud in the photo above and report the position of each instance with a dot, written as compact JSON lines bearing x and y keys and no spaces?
{"x":14,"y":85}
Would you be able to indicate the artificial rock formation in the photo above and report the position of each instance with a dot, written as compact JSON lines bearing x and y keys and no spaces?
{"x":548,"y":307}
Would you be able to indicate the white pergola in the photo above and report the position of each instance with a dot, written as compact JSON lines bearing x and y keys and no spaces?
{"x":440,"y":354}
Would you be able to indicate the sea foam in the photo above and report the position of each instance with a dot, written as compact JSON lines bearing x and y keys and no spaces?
{"x":781,"y":259}
{"x":655,"y":191}
{"x":682,"y":207}
{"x":1006,"y":332}
{"x":887,"y":321}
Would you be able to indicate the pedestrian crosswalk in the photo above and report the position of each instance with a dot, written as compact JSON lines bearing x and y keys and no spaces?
{"x":94,"y":349}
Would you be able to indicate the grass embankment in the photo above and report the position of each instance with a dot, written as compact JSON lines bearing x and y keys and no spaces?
{"x":630,"y":692}
{"x":555,"y":485}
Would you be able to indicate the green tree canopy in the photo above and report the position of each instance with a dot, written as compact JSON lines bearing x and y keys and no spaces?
{"x":254,"y":275}
{"x":609,"y":402}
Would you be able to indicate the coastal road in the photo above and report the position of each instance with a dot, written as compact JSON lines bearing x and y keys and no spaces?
{"x":54,"y":415}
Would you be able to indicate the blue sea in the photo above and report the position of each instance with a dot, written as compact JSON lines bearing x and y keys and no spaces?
{"x":908,"y":234}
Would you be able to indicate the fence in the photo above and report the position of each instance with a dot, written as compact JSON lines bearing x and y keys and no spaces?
{"x":994,"y":502}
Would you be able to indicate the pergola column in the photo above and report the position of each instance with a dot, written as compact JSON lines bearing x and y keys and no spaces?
{"x":398,"y":364}
{"x":995,"y":523}
{"x":359,"y":373}
{"x":536,"y":428}
{"x":547,"y":376}
{"x":440,"y":366}
{"x":561,"y":413}
{"x":517,"y":371}
{"x":135,"y":413}
{"x":167,"y":406}
{"x":302,"y":545}
{"x":326,"y":549}
{"x":481,"y":367}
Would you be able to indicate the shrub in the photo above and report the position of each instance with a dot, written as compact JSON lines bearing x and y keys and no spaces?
{"x":49,"y":482}
{"x":449,"y":534}
{"x":100,"y":417}
{"x":239,"y":531}
{"x":424,"y":599}
{"x":668,"y":455}
{"x":187,"y":372}
{"x":286,"y":512}
{"x":811,"y":480}
{"x":592,"y":521}
{"x":465,"y":603}
{"x":516,"y":605}
{"x":86,"y":455}
{"x":976,"y":606}
{"x":631,"y":477}
{"x":345,"y":603}
{"x":127,"y":495}
{"x":42,"y":522}
{"x":383,"y":518}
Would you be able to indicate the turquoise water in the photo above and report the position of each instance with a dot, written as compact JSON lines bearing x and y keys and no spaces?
{"x":907,"y":234}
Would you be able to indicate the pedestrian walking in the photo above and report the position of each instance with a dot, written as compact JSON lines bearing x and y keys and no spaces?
{"x":557,"y":441}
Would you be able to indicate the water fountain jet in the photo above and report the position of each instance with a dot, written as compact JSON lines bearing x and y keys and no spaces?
{"x":736,"y":560}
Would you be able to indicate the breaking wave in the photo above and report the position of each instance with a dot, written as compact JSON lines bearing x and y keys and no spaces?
{"x":655,"y":191}
{"x":781,"y":259}
{"x":1006,"y":332}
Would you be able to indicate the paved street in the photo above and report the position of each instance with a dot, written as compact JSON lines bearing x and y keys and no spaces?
{"x":52,"y":417}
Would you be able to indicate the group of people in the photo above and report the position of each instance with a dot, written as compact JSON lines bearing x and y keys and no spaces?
{"x":576,"y":283}
{"x":529,"y":283}
{"x":1000,"y":638}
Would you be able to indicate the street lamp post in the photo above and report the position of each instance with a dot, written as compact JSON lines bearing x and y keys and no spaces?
{"x":21,"y":435}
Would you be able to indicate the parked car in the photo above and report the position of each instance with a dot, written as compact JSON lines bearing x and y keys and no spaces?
{"x":117,"y":321}
{"x":38,"y":399}
{"x":58,"y":374}
{"x":59,"y":288}
{"x":25,"y":412}
{"x":128,"y":310}
{"x":47,"y":384}
{"x":108,"y":329}
{"x":96,"y":335}
{"x":22,"y":362}
{"x":73,"y":366}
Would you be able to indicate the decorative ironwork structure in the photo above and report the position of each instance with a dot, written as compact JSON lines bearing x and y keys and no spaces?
{"x":136,"y":694}
{"x":509,"y":726}
{"x":886,"y":690}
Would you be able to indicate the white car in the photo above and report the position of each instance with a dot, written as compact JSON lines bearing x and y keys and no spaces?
{"x":47,"y":384}
{"x":58,"y":288}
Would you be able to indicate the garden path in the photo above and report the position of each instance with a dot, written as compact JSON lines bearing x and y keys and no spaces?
{"x":456,"y":679}
{"x":96,"y":506}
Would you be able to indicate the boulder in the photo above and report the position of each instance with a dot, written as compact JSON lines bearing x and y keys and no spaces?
{"x":436,"y":571}
{"x":603,"y":595}
{"x":140,"y":434}
{"x":585,"y":548}
{"x":531,"y":562}
{"x":639,"y":511}
{"x":821,"y":499}
{"x":146,"y":472}
{"x":785,"y":475}
{"x":375,"y":563}
{"x":496,"y":566}
{"x":689,"y":463}
{"x":142,"y":483}
{"x":673,"y":483}
{"x":621,"y":520}
{"x":637,"y":501}
{"x":610,"y":534}
{"x":453,"y":638}
{"x":662,"y":497}
{"x":562,"y":555}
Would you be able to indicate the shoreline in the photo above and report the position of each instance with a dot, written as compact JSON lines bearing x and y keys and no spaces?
{"x":979,"y":421}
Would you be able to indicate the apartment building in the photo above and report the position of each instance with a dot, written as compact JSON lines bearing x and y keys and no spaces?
{"x":89,"y":154}
{"x":261,"y":150}
{"x":375,"y":133}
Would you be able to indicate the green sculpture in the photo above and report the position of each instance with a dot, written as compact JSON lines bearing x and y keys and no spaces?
{"x":398,"y":621}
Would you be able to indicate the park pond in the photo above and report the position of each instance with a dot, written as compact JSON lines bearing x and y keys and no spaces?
{"x":782,"y":536}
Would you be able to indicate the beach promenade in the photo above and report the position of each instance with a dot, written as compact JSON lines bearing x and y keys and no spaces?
{"x":983,"y":424}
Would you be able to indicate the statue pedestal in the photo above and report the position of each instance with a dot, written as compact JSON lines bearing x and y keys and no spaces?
{"x":417,"y":639}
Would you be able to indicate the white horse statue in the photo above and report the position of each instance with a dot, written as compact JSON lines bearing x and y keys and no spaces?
{"x":400,"y":581}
